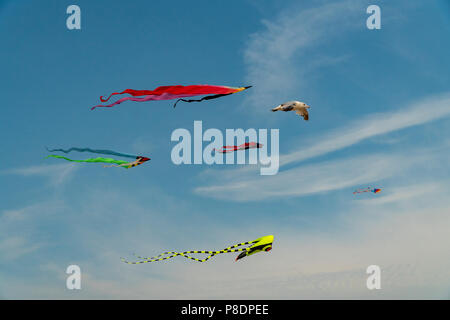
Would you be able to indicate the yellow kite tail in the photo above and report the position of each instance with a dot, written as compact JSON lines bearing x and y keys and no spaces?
{"x":261,"y":244}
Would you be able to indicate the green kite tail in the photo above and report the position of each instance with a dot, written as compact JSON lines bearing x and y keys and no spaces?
{"x":100,"y":160}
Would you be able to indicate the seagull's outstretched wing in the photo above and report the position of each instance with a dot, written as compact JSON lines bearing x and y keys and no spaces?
{"x":304,"y":113}
{"x":287,"y":106}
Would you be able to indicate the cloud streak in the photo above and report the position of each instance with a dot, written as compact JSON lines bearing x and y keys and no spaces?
{"x":311,"y":179}
{"x":427,"y":110}
{"x":58,"y":174}
{"x":408,"y":245}
{"x":270,"y":54}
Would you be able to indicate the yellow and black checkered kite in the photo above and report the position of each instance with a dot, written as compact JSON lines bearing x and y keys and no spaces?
{"x":258,"y":245}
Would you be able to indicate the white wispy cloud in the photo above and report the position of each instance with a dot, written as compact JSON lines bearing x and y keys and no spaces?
{"x":418,"y":113}
{"x":57,"y":174}
{"x":270,"y":53}
{"x":314,"y":178}
{"x":408,"y":245}
{"x":16,"y":246}
{"x":18,"y":228}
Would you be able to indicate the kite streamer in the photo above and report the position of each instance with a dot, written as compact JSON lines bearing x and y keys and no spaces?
{"x":245,"y":146}
{"x":173,"y":92}
{"x":368,"y":189}
{"x":258,"y":245}
{"x":113,"y":162}
{"x":110,"y":152}
{"x":202,"y":99}
{"x":101,"y":160}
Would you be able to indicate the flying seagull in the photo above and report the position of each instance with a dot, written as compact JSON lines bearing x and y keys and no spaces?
{"x":300,"y":108}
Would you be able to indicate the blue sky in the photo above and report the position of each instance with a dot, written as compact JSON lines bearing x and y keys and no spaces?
{"x":380,"y":115}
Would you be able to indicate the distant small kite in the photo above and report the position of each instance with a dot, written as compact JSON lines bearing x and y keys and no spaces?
{"x":368,"y":189}
{"x":299,"y":107}
{"x":173,"y":92}
{"x":112,"y":162}
{"x":245,"y":146}
{"x":261,"y":244}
